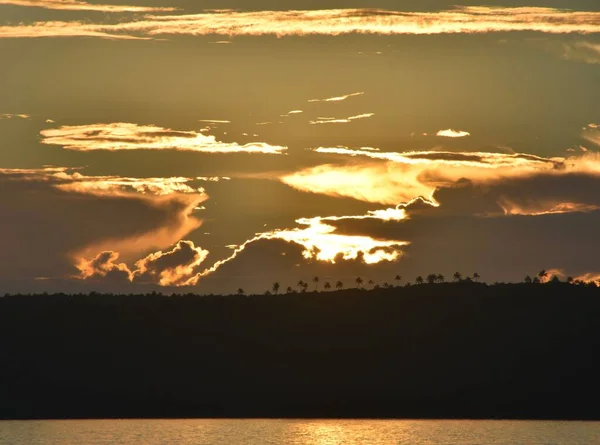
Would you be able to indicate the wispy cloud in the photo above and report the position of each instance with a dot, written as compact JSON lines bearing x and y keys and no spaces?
{"x":79,"y":5}
{"x":591,"y":133}
{"x":127,"y":136}
{"x":333,"y":120}
{"x":13,"y":116}
{"x":544,"y":207}
{"x":581,"y":51}
{"x":332,"y":22}
{"x":337,"y":98}
{"x":450,"y":133}
{"x":214,"y":121}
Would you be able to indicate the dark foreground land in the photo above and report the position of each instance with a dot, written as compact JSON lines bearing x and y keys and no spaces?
{"x":445,"y":350}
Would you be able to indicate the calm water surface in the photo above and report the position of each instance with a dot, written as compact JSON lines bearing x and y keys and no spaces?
{"x":301,"y":432}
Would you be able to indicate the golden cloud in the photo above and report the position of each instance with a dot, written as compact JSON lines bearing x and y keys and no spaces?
{"x":11,"y":116}
{"x":78,"y":5}
{"x":450,"y":133}
{"x":127,"y":136}
{"x":544,"y":207}
{"x":333,"y":120}
{"x":173,"y":196}
{"x":332,"y":22}
{"x":337,"y":98}
{"x":393,"y":178}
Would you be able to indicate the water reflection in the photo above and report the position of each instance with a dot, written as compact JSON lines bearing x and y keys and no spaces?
{"x":297,"y":432}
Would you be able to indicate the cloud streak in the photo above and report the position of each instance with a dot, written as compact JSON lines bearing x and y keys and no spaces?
{"x":332,"y":22}
{"x":450,"y":133}
{"x":78,"y":5}
{"x":337,"y":98}
{"x":332,"y":120}
{"x":127,"y":136}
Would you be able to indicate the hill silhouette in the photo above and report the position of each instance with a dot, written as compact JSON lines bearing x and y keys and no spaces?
{"x":451,"y":350}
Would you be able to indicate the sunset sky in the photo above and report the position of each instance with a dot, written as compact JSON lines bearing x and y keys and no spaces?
{"x":203,"y":146}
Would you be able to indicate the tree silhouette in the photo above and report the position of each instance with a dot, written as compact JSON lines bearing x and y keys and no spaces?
{"x":441,"y":278}
{"x":476,"y":276}
{"x":276,"y":287}
{"x":457,"y":276}
{"x":300,"y":284}
{"x":398,"y":279}
{"x":419,"y":280}
{"x":339,"y":285}
{"x":359,"y":281}
{"x":371,"y":283}
{"x":289,"y":290}
{"x":327,"y":285}
{"x":542,"y":275}
{"x":240,"y":291}
{"x":431,"y":278}
{"x":570,"y":280}
{"x":304,"y":287}
{"x":316,"y":281}
{"x":528,"y":279}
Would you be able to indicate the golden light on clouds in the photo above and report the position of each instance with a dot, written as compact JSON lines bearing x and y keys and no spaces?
{"x":544,"y":207}
{"x":450,"y":133}
{"x":333,"y":120}
{"x":332,"y":22}
{"x":79,"y":5}
{"x":337,"y":98}
{"x":127,"y":136}
{"x":402,"y":177}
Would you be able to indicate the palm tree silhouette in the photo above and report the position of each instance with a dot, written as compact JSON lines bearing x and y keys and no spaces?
{"x":276,"y":288}
{"x":316,"y":281}
{"x":371,"y":283}
{"x":542,"y":275}
{"x":304,"y":287}
{"x":398,"y":279}
{"x":441,"y":278}
{"x":457,"y":276}
{"x":300,"y":284}
{"x":359,"y":281}
{"x":339,"y":285}
{"x":476,"y":276}
{"x":419,"y":280}
{"x":240,"y":291}
{"x":528,"y":279}
{"x":327,"y":286}
{"x":289,"y":290}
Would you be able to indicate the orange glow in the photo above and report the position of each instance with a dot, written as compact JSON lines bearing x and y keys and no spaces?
{"x":544,"y":207}
{"x":402,"y":177}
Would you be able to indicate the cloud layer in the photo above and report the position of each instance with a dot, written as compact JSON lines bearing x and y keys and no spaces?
{"x":333,"y":22}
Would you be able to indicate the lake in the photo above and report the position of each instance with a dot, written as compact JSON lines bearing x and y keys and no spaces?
{"x":300,"y":432}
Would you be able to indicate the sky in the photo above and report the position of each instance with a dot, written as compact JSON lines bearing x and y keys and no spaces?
{"x":206,"y":146}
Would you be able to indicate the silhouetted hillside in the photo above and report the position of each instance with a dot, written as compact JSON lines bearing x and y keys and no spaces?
{"x":443,"y":350}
